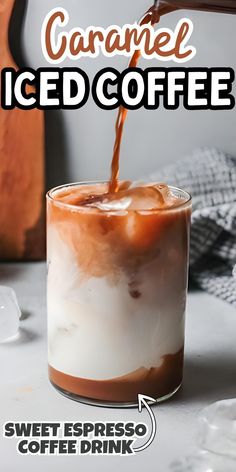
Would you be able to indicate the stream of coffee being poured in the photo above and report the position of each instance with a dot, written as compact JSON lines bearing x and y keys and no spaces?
{"x":155,"y":195}
{"x":152,"y":16}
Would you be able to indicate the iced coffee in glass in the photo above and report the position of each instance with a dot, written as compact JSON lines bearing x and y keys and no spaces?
{"x":117,"y":280}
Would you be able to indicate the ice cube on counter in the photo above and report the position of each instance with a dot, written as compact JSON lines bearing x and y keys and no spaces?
{"x":217,"y":428}
{"x":9,"y":314}
{"x":216,"y":441}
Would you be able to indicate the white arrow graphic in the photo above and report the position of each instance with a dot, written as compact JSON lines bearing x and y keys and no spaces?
{"x":144,"y":400}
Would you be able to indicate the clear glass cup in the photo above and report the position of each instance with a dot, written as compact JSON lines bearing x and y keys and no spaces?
{"x":117,"y":283}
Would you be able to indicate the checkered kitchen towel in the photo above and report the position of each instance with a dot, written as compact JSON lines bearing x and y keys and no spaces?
{"x":210,"y":176}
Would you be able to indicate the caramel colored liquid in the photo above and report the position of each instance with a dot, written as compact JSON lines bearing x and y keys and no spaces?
{"x":155,"y":382}
{"x":152,"y":16}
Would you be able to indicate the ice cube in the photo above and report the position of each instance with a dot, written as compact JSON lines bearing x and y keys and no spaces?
{"x":139,"y":198}
{"x":9,"y":314}
{"x":136,"y":198}
{"x":145,"y":198}
{"x":115,"y":204}
{"x":217,"y":440}
{"x":217,"y":428}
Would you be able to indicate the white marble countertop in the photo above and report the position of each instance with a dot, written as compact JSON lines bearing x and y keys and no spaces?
{"x":26,"y":394}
